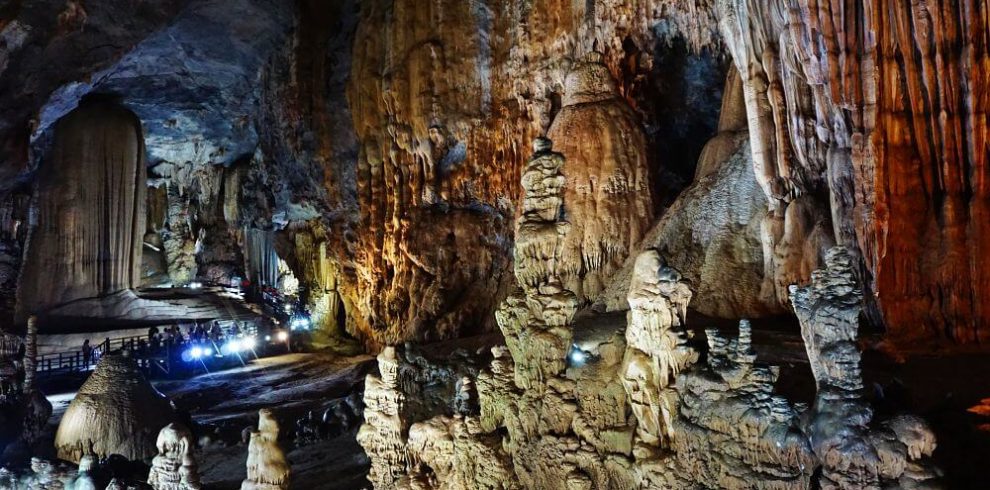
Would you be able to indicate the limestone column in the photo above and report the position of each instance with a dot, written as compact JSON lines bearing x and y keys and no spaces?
{"x":88,"y":214}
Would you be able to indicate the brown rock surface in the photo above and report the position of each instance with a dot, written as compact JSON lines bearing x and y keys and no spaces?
{"x":607,"y":193}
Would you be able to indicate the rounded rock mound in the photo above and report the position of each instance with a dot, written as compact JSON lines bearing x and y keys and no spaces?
{"x":116,"y":411}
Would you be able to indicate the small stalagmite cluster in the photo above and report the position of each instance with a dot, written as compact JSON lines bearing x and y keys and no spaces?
{"x":640,"y":411}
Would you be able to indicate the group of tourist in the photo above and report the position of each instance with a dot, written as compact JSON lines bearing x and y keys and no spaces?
{"x":162,"y":341}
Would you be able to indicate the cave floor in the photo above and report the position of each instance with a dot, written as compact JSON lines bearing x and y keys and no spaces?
{"x":947,"y":388}
{"x":224,"y":403}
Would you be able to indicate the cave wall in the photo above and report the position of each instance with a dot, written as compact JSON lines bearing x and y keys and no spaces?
{"x":392,"y":131}
{"x":88,"y":213}
{"x":443,"y":95}
{"x":884,"y":108}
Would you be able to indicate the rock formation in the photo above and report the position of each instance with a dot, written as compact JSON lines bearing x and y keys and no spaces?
{"x":609,"y":205}
{"x":378,"y":126}
{"x":383,"y":435}
{"x":656,"y":350}
{"x":174,"y":467}
{"x":88,"y":212}
{"x":24,"y":410}
{"x":729,"y":413}
{"x":84,"y":479}
{"x":839,"y":422}
{"x":562,"y":410}
{"x":46,"y":475}
{"x":534,"y":318}
{"x":116,"y":411}
{"x":267,"y":468}
{"x":713,"y":232}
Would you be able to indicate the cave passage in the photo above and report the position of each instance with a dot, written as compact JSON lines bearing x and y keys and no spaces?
{"x":500,"y":244}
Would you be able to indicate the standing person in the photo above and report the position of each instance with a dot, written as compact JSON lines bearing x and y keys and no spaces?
{"x":152,"y":332}
{"x":87,"y":352}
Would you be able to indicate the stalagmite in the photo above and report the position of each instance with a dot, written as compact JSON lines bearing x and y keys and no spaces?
{"x":839,"y":422}
{"x":656,"y":349}
{"x":563,"y":407}
{"x":87,"y":220}
{"x":534,"y":319}
{"x":383,"y":434}
{"x":730,"y":414}
{"x":608,"y":200}
{"x":116,"y":411}
{"x":174,"y":467}
{"x":267,"y":468}
{"x":84,"y":480}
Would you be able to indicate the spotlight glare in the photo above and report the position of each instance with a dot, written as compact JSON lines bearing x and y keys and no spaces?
{"x":207,"y":351}
{"x":196,"y":352}
{"x":283,"y":336}
{"x":248,"y":343}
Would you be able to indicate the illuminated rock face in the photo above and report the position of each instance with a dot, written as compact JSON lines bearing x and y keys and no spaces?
{"x":87,"y":224}
{"x":893,"y":132}
{"x":640,"y":412}
{"x":116,"y":411}
{"x":607,"y":191}
{"x":384,"y":125}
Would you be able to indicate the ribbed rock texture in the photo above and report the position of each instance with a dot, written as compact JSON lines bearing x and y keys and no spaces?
{"x":116,"y":411}
{"x":442,"y":94}
{"x":607,"y":190}
{"x":85,"y":234}
{"x":885,"y":108}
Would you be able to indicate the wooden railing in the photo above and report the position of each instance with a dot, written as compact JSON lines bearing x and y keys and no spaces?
{"x":72,"y":361}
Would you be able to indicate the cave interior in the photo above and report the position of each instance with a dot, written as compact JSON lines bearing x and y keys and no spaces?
{"x":494,"y":244}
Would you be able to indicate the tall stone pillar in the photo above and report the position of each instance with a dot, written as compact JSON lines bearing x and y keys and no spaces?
{"x":88,"y":214}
